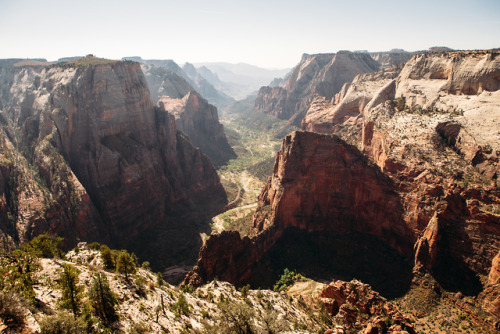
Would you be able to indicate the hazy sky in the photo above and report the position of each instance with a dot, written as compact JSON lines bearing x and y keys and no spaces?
{"x":265,"y":33}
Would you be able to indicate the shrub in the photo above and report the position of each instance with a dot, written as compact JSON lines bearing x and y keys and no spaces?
{"x":47,"y":246}
{"x":234,"y":317}
{"x":94,"y":246}
{"x":62,"y":323}
{"x":12,"y":310}
{"x":286,"y":280}
{"x":17,"y":271}
{"x":146,"y":265}
{"x":107,"y":257}
{"x":159,"y":280}
{"x":181,"y":306}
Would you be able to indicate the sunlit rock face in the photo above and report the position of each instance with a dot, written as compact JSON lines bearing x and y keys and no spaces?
{"x":130,"y":169}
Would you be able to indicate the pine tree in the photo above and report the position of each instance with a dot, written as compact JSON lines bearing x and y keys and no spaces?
{"x":71,"y":291}
{"x":102,"y":299}
{"x":125,"y":264}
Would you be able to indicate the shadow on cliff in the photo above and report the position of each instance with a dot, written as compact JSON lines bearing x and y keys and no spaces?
{"x":324,"y":255}
{"x":174,"y":243}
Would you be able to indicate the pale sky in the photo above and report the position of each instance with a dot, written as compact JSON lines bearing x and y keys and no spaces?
{"x":266,"y":33}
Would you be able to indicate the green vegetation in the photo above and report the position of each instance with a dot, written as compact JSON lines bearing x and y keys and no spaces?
{"x":88,"y":60}
{"x":125,"y":264}
{"x":102,"y":299}
{"x":17,"y":270}
{"x":181,"y":306}
{"x":287,"y":279}
{"x":63,"y":323}
{"x":47,"y":246}
{"x":71,"y":291}
{"x":12,"y":309}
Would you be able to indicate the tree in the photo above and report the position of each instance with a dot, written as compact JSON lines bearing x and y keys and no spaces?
{"x":107,"y":257}
{"x":125,"y":264}
{"x":17,"y":270}
{"x":47,"y":245}
{"x":101,"y":298}
{"x":71,"y":291}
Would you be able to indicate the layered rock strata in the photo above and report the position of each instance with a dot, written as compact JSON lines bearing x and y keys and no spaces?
{"x":428,"y":161}
{"x":98,"y":143}
{"x":194,"y":116}
{"x":320,"y":74}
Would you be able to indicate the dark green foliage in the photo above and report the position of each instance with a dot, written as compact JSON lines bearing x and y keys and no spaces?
{"x":234,"y":317}
{"x":140,"y":328}
{"x":47,"y":246}
{"x":146,"y":265}
{"x":244,"y":290}
{"x":102,"y":299}
{"x":286,"y":280}
{"x":63,"y":323}
{"x":12,"y":310}
{"x":107,"y":257}
{"x":125,"y":264}
{"x":94,"y":246}
{"x":159,"y":280}
{"x":71,"y":291}
{"x":17,"y":271}
{"x":181,"y":306}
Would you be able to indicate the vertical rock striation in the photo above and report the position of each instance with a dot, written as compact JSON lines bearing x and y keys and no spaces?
{"x":92,"y":128}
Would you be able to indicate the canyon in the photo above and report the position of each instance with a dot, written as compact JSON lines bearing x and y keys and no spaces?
{"x":320,"y":75}
{"x":86,"y":155}
{"x":387,"y":197}
{"x":404,"y":158}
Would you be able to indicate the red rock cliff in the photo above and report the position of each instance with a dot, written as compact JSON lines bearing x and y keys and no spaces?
{"x":136,"y":171}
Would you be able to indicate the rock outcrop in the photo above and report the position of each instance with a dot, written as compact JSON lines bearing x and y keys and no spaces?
{"x":194,"y":116}
{"x":97,"y":142}
{"x":320,"y":74}
{"x":198,"y":119}
{"x":319,"y":183}
{"x":424,"y":180}
{"x":357,"y":307}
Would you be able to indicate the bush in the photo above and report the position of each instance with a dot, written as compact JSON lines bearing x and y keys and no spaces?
{"x":94,"y":246}
{"x":234,"y":317}
{"x":286,"y":280}
{"x":17,"y":271}
{"x":159,"y":280}
{"x":47,"y":246}
{"x":181,"y":306}
{"x":62,"y":323}
{"x":12,"y":310}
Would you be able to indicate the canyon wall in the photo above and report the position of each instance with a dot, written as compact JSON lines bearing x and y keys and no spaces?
{"x":194,"y":116}
{"x":319,"y":74}
{"x":420,"y":174}
{"x":91,"y":137}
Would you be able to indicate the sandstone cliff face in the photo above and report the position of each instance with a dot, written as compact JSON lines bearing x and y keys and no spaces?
{"x":433,"y":194}
{"x":391,"y":58}
{"x":319,"y":183}
{"x":438,"y":142}
{"x":194,"y":116}
{"x":96,"y":137}
{"x":321,"y":74}
{"x":199,"y":120}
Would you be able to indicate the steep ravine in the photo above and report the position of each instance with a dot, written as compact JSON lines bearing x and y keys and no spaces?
{"x":91,"y":130}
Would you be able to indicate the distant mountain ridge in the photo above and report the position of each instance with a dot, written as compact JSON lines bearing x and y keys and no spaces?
{"x":239,"y":80}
